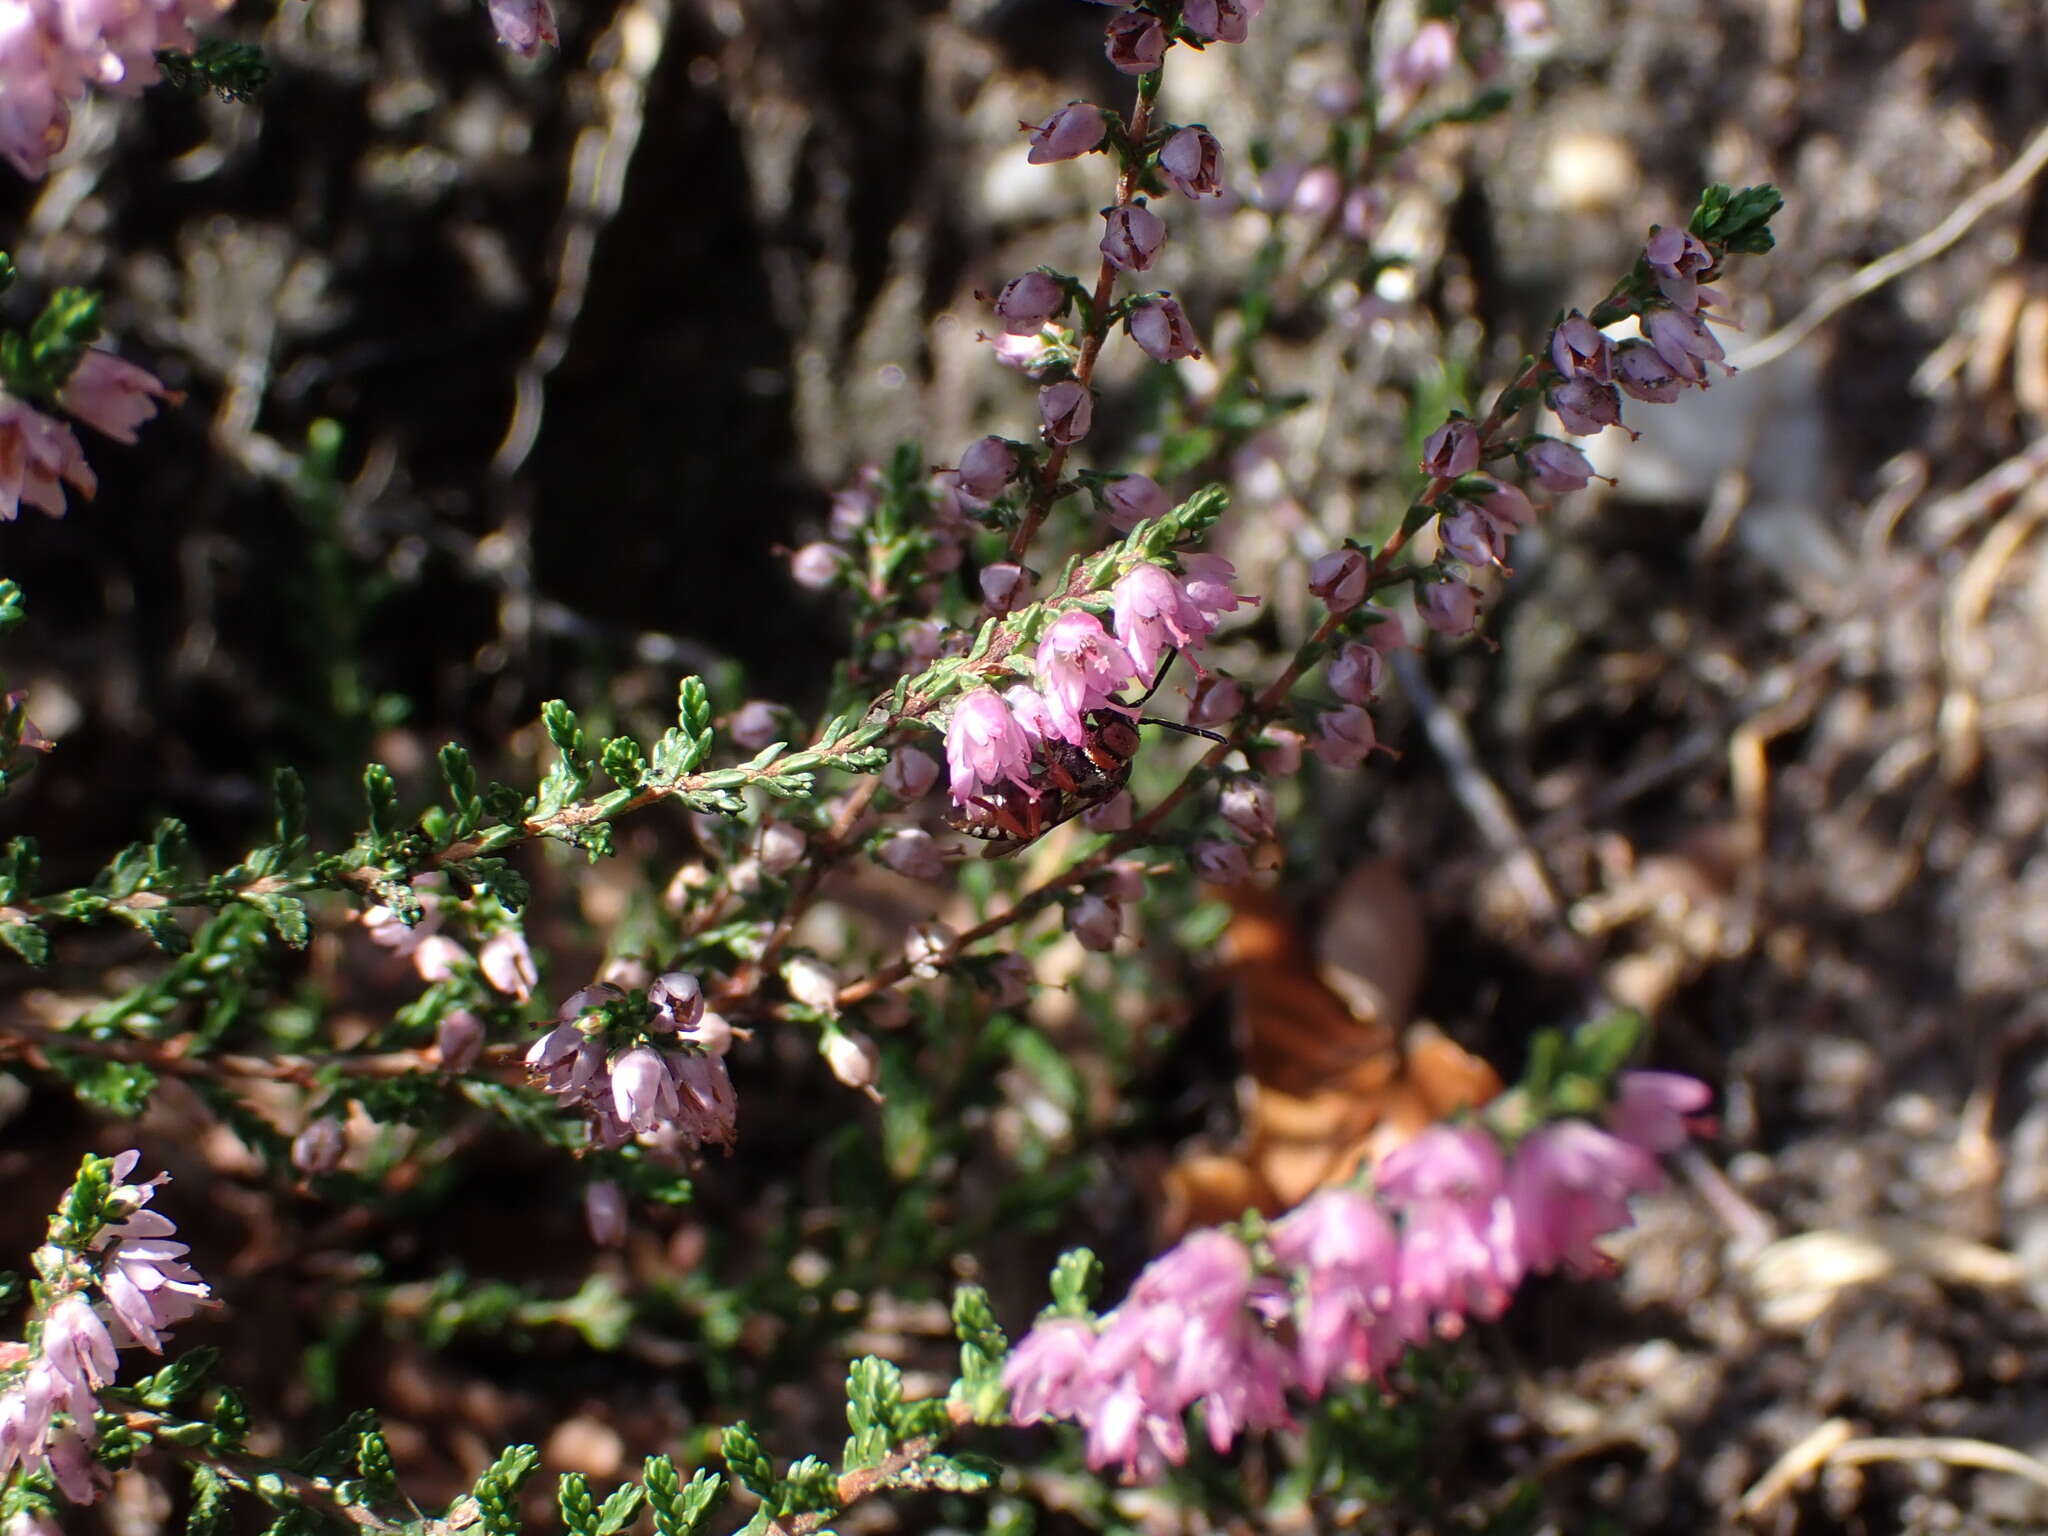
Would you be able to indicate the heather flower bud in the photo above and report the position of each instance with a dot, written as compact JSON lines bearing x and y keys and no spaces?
{"x":1191,"y":161}
{"x":1282,"y":754}
{"x":850,"y":512}
{"x":986,"y":467}
{"x":1577,"y":347}
{"x":1132,"y":238}
{"x":811,"y":982}
{"x":587,"y":1000}
{"x":1356,"y":672}
{"x":1137,"y":42}
{"x":524,"y":25}
{"x":913,"y":853}
{"x":1471,"y":536}
{"x":459,"y":1040}
{"x":711,"y":1034}
{"x":643,"y":1094}
{"x":318,"y":1148}
{"x":1557,"y":466}
{"x":1685,"y":343}
{"x":1507,"y":506}
{"x":1344,"y":737}
{"x":781,"y":848}
{"x":1640,"y":369}
{"x":1339,"y":578}
{"x":1248,"y":806}
{"x":1218,"y":862}
{"x":1067,"y":409}
{"x":1010,"y":981}
{"x":1072,"y":131}
{"x":507,"y":964}
{"x":1124,"y":882}
{"x":1217,"y":699}
{"x":817,"y":565}
{"x":604,"y":1213}
{"x":1451,"y":450}
{"x":1095,"y":920}
{"x":1678,"y":258}
{"x":910,"y":774}
{"x":755,"y":724}
{"x":1113,"y":815}
{"x":112,"y":395}
{"x":626,"y":972}
{"x":677,"y":999}
{"x":1134,"y":499}
{"x":1586,"y":408}
{"x":1026,"y":303}
{"x":1220,"y":21}
{"x":927,"y":949}
{"x":853,"y":1060}
{"x":1002,"y":584}
{"x":1162,"y":330}
{"x":438,"y":957}
{"x":1450,"y":607}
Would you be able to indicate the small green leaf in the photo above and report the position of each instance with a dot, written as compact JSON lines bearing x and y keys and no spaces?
{"x":1074,"y":1281}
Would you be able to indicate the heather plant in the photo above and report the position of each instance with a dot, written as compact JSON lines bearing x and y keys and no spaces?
{"x":1018,"y":614}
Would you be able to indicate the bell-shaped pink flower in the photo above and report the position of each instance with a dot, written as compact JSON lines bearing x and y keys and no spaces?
{"x":986,"y":467}
{"x":1577,"y":348}
{"x":1067,"y":409}
{"x":112,"y":395}
{"x":1452,"y":449}
{"x":1220,"y":21}
{"x":1339,"y":579}
{"x":912,"y":852}
{"x":1002,"y":584}
{"x":1280,"y":751}
{"x":1216,"y":700}
{"x":910,"y":774}
{"x":524,"y":25}
{"x":1074,"y":130}
{"x":1137,"y":42}
{"x":1096,"y":920}
{"x":984,"y":745}
{"x":1451,"y":608}
{"x":1557,"y":466}
{"x":1345,"y":737}
{"x":1657,"y":1111}
{"x":1191,"y":161}
{"x":1348,"y":1323}
{"x":1153,"y":614}
{"x":1684,"y":342}
{"x":755,"y":724}
{"x":458,"y":1040}
{"x":1026,"y":303}
{"x":1247,"y":806}
{"x":1641,"y":371}
{"x":1219,"y":862}
{"x":1356,"y":672}
{"x":1133,"y":499}
{"x":1209,"y":581}
{"x":1459,"y":1249}
{"x":39,"y":456}
{"x":1569,"y":1184}
{"x":817,"y":565}
{"x":1080,"y":665}
{"x":1047,"y":1374}
{"x":604,"y":1213}
{"x":1586,"y":408}
{"x":1132,"y":237}
{"x":1161,"y":329}
{"x":318,"y":1148}
{"x":507,"y":964}
{"x":643,"y":1093}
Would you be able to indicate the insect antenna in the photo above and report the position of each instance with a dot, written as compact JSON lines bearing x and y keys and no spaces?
{"x":1185,"y":730}
{"x":1158,"y":682}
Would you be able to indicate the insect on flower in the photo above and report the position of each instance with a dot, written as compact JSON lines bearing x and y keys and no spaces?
{"x":1064,"y":778}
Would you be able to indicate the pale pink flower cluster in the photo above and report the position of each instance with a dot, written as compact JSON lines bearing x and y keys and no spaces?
{"x":145,"y":1289}
{"x":52,"y":50}
{"x":504,"y":959}
{"x":994,"y":738}
{"x":664,"y":1097}
{"x":1451,"y":1229}
{"x":39,"y":455}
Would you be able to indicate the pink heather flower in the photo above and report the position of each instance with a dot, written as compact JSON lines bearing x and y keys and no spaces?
{"x":1220,"y":21}
{"x":1468,"y":534}
{"x":910,"y":774}
{"x":111,"y":395}
{"x":39,"y":456}
{"x":524,"y":25}
{"x":851,"y":509}
{"x":1247,"y":806}
{"x":1356,"y":672}
{"x":817,"y":565}
{"x":1586,"y":408}
{"x":1685,"y":343}
{"x":1577,"y":347}
{"x":458,"y":1040}
{"x":1010,"y":981}
{"x":1281,"y":756}
{"x":1031,"y":712}
{"x":1072,"y":131}
{"x":1067,"y":409}
{"x":1640,"y":369}
{"x":1132,"y":237}
{"x":1418,"y":64}
{"x":1569,"y":1184}
{"x":1347,"y":1321}
{"x":914,"y":853}
{"x":318,"y":1148}
{"x":677,"y":998}
{"x":1452,"y":449}
{"x":708,"y":1110}
{"x":853,"y":1060}
{"x":986,"y":467}
{"x":76,"y":1345}
{"x":1001,"y":585}
{"x":1030,"y":355}
{"x":811,"y":982}
{"x":1339,"y":578}
{"x":781,"y":847}
{"x":148,"y":1287}
{"x":1113,"y":815}
{"x":567,"y":1062}
{"x":1080,"y":666}
{"x":34,"y":117}
{"x":1451,"y":608}
{"x":643,"y":1093}
{"x":1345,"y":737}
{"x":437,"y":957}
{"x":1557,"y":466}
{"x":1026,"y":303}
{"x":604,"y":1213}
{"x":1047,"y":1374}
{"x":1162,"y":330}
{"x":1218,"y":862}
{"x":1191,"y":161}
{"x":1507,"y":507}
{"x":1207,"y":581}
{"x":507,"y":964}
{"x":1657,"y":1111}
{"x":1154,"y":614}
{"x":1124,"y":881}
{"x":1133,"y":499}
{"x":711,"y":1034}
{"x":1678,"y":258}
{"x":1459,"y":1248}
{"x":1137,"y":42}
{"x":1216,"y":699}
{"x":984,"y":745}
{"x":755,"y":724}
{"x":1096,"y":920}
